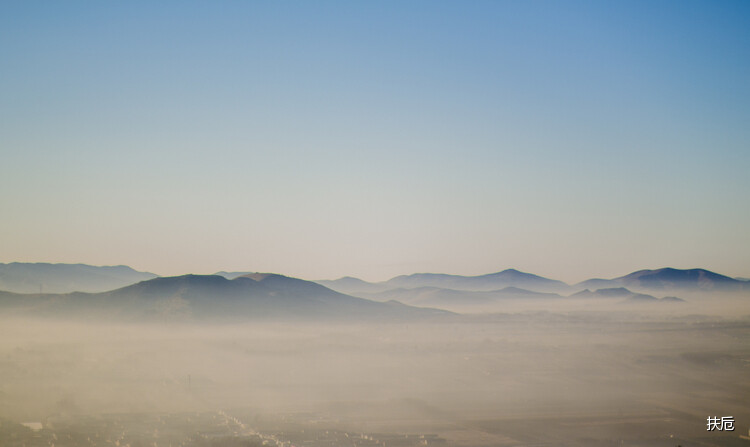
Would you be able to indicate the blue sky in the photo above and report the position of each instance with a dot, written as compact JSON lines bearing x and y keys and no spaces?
{"x":318,"y":139}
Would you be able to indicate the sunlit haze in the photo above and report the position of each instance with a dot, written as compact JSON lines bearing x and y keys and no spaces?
{"x":372,"y":139}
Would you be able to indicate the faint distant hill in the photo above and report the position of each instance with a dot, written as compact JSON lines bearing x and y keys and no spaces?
{"x":210,"y":297}
{"x":481,"y":283}
{"x":623,"y":294}
{"x":670,"y":279}
{"x":64,"y":278}
{"x":452,"y":299}
{"x":353,"y":286}
{"x":613,"y":292}
{"x":492,"y":281}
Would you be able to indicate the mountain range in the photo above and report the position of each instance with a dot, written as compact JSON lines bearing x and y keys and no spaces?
{"x":65,"y":278}
{"x":137,"y":295}
{"x":481,"y":283}
{"x":664,"y":279}
{"x":209,"y":297}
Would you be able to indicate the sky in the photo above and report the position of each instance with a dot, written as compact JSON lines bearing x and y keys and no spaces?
{"x":570,"y":139}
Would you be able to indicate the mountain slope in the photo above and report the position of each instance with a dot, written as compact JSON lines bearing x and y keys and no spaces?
{"x":231,"y":275}
{"x":352,"y":286}
{"x":201,"y":297}
{"x":669,"y":279}
{"x":65,"y":278}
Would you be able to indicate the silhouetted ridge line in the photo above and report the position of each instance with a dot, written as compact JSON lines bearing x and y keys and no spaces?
{"x":191,"y":297}
{"x":44,"y":277}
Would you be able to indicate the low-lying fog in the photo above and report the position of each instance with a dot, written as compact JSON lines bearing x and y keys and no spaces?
{"x":471,"y":375}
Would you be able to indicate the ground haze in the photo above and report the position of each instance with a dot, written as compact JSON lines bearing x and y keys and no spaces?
{"x":598,"y":377}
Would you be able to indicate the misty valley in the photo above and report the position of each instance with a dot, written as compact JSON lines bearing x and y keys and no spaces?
{"x":327,"y":223}
{"x":256,"y":359}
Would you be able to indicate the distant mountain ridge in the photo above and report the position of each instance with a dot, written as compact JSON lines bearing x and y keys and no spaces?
{"x":653,"y":280}
{"x":20,"y":277}
{"x":452,"y":299}
{"x":670,"y":279}
{"x":491,"y":281}
{"x":673,"y":278}
{"x":480,"y":283}
{"x":201,"y":297}
{"x":229,"y":294}
{"x":622,"y":293}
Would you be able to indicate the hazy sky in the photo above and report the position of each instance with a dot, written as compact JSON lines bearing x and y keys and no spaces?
{"x":321,"y":139}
